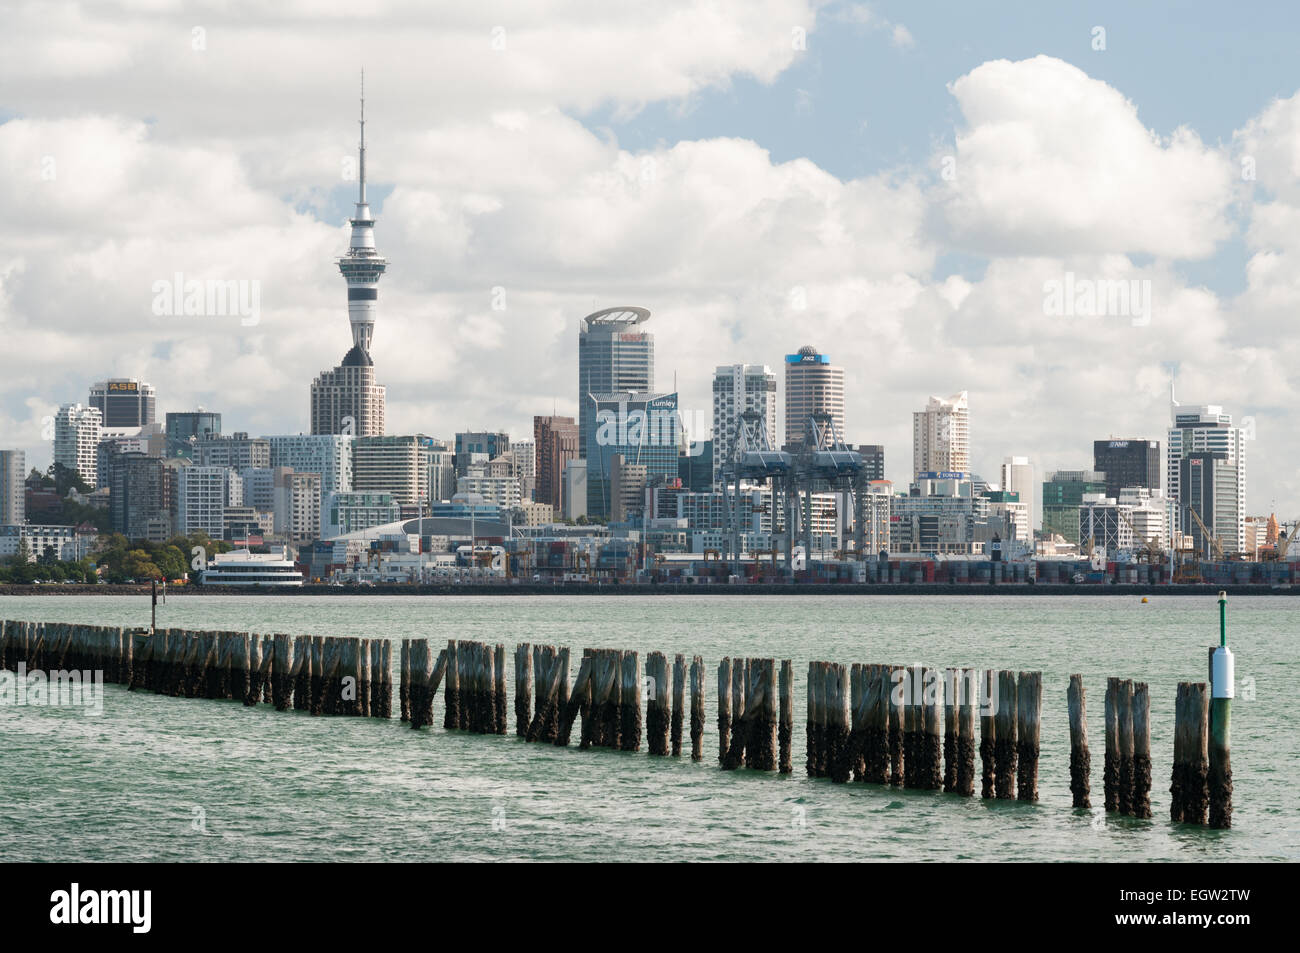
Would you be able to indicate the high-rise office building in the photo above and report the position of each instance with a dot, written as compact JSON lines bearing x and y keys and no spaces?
{"x":812,"y":386}
{"x":1018,"y":478}
{"x":237,"y":451}
{"x":185,"y":428}
{"x":76,"y":438}
{"x":643,"y":427}
{"x":202,"y":495}
{"x":873,"y":460}
{"x":555,"y":442}
{"x":330,"y":455}
{"x":1127,"y":463}
{"x":1219,"y":497}
{"x":141,"y":493}
{"x":347,"y":400}
{"x":941,"y":435}
{"x":479,"y":446}
{"x":297,"y":505}
{"x":1063,"y":494}
{"x":613,"y":357}
{"x":737,"y":389}
{"x":394,"y":464}
{"x":13,"y":489}
{"x":123,"y":402}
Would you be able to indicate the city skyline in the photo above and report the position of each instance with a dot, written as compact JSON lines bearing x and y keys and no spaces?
{"x":478,"y":295}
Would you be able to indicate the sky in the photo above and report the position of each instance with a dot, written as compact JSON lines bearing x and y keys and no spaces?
{"x":906,"y":187}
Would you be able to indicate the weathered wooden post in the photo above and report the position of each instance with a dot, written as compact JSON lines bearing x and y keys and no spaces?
{"x":499,"y":686}
{"x":1110,"y":766}
{"x":897,"y":693}
{"x":988,"y":733}
{"x":840,"y":768}
{"x":404,"y":685}
{"x":657,"y":713}
{"x":1029,"y":702}
{"x":1004,"y":747}
{"x":631,"y":702}
{"x":697,"y":708}
{"x":523,"y":688}
{"x":739,"y":714}
{"x":1222,"y":690}
{"x":1190,"y":787}
{"x":876,"y":728}
{"x":451,"y":695}
{"x":1124,"y":725}
{"x":1141,"y":750}
{"x":679,"y":703}
{"x":785,"y":730}
{"x":931,"y":733}
{"x":967,"y":690}
{"x":950,"y":730}
{"x":811,"y":728}
{"x":1080,"y":758}
{"x":724,"y":708}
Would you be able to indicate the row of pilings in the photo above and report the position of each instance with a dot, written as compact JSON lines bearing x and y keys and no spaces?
{"x":903,"y":726}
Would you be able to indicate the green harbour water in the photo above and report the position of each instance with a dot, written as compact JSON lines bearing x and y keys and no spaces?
{"x":154,"y":778}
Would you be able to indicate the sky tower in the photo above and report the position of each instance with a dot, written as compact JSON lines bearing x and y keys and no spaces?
{"x":362,"y":266}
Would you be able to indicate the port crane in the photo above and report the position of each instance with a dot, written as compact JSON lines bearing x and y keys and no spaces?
{"x":1278,"y":553}
{"x":1214,"y":540}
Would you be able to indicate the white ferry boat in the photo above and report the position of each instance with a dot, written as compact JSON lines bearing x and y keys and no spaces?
{"x":240,"y":567}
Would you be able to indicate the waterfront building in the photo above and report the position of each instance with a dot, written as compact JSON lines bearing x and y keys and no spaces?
{"x":941,"y":435}
{"x":555,"y":441}
{"x":537,"y":514}
{"x":13,"y":495}
{"x":65,"y":543}
{"x":812,"y":386}
{"x":123,"y":402}
{"x":737,"y":389}
{"x":186,"y":428}
{"x":613,"y":357}
{"x":1105,"y":523}
{"x":1063,"y":493}
{"x":240,"y":567}
{"x":77,"y":431}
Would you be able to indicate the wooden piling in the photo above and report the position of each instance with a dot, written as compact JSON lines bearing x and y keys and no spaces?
{"x":523,"y":688}
{"x":1110,"y":766}
{"x":988,"y":734}
{"x":1190,"y":787}
{"x":1029,"y":703}
{"x":967,"y":692}
{"x":658,"y":716}
{"x":950,"y":678}
{"x":812,"y":729}
{"x":1141,"y":750}
{"x":1004,"y":747}
{"x":762,"y":743}
{"x":724,"y":708}
{"x":1080,"y":758}
{"x":451,"y":694}
{"x":932,"y":737}
{"x":697,"y":708}
{"x":840,"y":762}
{"x":875,"y":741}
{"x":896,"y":728}
{"x":1124,"y":724}
{"x":785,"y":730}
{"x":576,"y":701}
{"x":679,"y":703}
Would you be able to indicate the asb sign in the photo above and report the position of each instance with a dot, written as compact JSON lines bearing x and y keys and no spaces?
{"x":122,"y":385}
